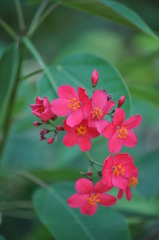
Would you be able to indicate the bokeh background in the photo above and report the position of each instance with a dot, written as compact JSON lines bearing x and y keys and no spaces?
{"x":136,"y":56}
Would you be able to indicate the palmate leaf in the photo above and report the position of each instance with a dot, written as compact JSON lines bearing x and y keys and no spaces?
{"x":76,"y":71}
{"x":113,"y":11}
{"x":66,"y":223}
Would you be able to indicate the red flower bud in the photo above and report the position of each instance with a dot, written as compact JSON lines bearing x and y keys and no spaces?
{"x":44,"y":131}
{"x":94,"y":78}
{"x":50,"y":140}
{"x":42,"y":137}
{"x":90,"y":173}
{"x":60,"y":128}
{"x":121,"y":101}
{"x":54,"y":117}
{"x":37,"y":123}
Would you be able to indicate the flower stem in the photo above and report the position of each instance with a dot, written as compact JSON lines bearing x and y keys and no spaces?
{"x":8,"y":29}
{"x":20,"y":14}
{"x":91,"y":161}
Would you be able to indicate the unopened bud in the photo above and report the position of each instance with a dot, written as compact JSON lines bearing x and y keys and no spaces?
{"x":44,"y":131}
{"x":60,"y":128}
{"x":42,"y":137}
{"x":90,"y":173}
{"x":100,"y":173}
{"x":94,"y":78}
{"x":109,"y":97}
{"x":121,"y":101}
{"x":54,"y":117}
{"x":37,"y":123}
{"x":50,"y":140}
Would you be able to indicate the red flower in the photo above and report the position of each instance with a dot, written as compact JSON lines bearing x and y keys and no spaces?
{"x":81,"y":134}
{"x":76,"y":106}
{"x":119,"y":132}
{"x":100,"y":107}
{"x":42,"y":109}
{"x":133,"y":181}
{"x":118,"y":170}
{"x":88,"y":196}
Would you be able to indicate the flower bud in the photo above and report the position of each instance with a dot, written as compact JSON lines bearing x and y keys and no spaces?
{"x":60,"y":128}
{"x":109,"y":97}
{"x":54,"y":117}
{"x":90,"y":173}
{"x":50,"y":140}
{"x":44,"y":131}
{"x":94,"y":78}
{"x":36,"y":124}
{"x":42,"y":137}
{"x":121,"y":101}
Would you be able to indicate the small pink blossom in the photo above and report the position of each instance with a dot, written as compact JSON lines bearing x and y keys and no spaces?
{"x":42,"y":109}
{"x":81,"y":134}
{"x":88,"y":196}
{"x":76,"y":106}
{"x":94,"y":78}
{"x":119,"y":131}
{"x":50,"y":140}
{"x":100,"y":107}
{"x":121,"y":101}
{"x":118,"y":170}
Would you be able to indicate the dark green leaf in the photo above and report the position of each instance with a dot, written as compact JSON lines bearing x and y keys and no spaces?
{"x":66,"y":223}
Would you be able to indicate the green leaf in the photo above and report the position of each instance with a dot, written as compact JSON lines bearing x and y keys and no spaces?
{"x":8,"y":70}
{"x":66,"y":223}
{"x":113,"y":11}
{"x":76,"y":70}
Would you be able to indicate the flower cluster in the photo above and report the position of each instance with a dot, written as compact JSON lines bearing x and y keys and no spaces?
{"x":85,"y":118}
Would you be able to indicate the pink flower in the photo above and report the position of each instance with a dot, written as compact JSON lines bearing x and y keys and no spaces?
{"x":88,"y":196}
{"x":42,"y":109}
{"x":119,"y":132}
{"x":118,"y":170}
{"x":100,"y":107}
{"x":76,"y":106}
{"x":81,"y":134}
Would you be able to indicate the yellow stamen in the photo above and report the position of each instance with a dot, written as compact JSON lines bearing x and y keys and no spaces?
{"x":118,"y":170}
{"x":133,"y":181}
{"x":97,"y":113}
{"x":81,"y":130}
{"x":74,"y":104}
{"x":93,"y":199}
{"x":122,"y":132}
{"x":42,"y":109}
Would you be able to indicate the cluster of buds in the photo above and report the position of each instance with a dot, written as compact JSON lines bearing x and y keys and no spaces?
{"x":84,"y":120}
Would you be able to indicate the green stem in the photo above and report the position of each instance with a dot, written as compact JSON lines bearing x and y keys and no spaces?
{"x":38,"y":57}
{"x":32,"y":74}
{"x":36,"y":17}
{"x":13,"y":94}
{"x":20,"y":14}
{"x":8,"y":29}
{"x":91,"y":161}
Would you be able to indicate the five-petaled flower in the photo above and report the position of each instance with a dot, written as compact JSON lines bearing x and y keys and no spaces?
{"x":42,"y":109}
{"x":77,"y":106}
{"x":119,"y":170}
{"x":81,"y":134}
{"x":88,"y":196}
{"x":100,"y":107}
{"x":119,"y":132}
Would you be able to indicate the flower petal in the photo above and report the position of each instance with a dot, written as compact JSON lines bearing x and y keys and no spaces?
{"x":88,"y":209}
{"x":92,"y":132}
{"x":128,"y":193}
{"x":67,"y":91}
{"x":101,"y":124}
{"x":130,"y":140}
{"x":120,"y":194}
{"x":119,"y":117}
{"x":107,"y":200}
{"x":110,"y":104}
{"x":100,"y":187}
{"x":132,"y":122}
{"x":70,"y":139}
{"x":77,"y":200}
{"x":83,"y":95}
{"x":84,"y":185}
{"x":84,"y":143}
{"x":115,"y":144}
{"x":75,"y":118}
{"x":120,"y":182}
{"x":109,"y":131}
{"x":99,"y":99}
{"x":60,"y":107}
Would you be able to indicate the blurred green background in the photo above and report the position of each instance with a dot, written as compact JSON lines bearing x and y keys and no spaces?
{"x":136,"y":56}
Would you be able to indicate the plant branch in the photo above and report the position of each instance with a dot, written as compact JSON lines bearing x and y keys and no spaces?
{"x":91,"y":161}
{"x":40,"y":60}
{"x":20,"y":14}
{"x":8,"y":29}
{"x":32,"y":74}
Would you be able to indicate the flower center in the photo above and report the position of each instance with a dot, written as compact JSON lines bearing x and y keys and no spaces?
{"x":42,"y":109}
{"x":81,"y":130}
{"x":122,"y":132}
{"x":133,"y":181}
{"x":74,"y":104}
{"x":93,"y":199}
{"x":118,"y":170}
{"x":97,"y":113}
